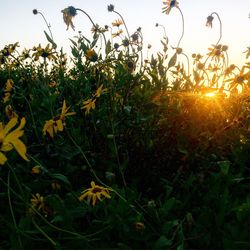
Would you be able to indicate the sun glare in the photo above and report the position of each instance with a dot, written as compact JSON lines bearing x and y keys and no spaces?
{"x":211,"y":94}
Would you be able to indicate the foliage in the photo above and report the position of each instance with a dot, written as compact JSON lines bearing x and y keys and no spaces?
{"x":166,"y":152}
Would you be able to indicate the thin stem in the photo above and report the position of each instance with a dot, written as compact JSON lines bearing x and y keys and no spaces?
{"x":12,"y":213}
{"x":91,"y":20}
{"x":122,"y":21}
{"x":182,"y":34}
{"x":48,"y":25}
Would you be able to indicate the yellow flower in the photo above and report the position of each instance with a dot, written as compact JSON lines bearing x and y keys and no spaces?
{"x":64,"y":112}
{"x":94,"y":193}
{"x":7,"y":90}
{"x":117,"y":23}
{"x":169,"y":5}
{"x":36,"y":170}
{"x":10,"y":113}
{"x":139,"y":226}
{"x":237,"y":79}
{"x":118,"y":33}
{"x":9,"y":85}
{"x":68,"y":14}
{"x":37,"y":201}
{"x":57,"y":124}
{"x":88,"y":105}
{"x":46,"y":52}
{"x":91,"y":55}
{"x":100,"y":91}
{"x":10,"y":140}
{"x":216,"y":52}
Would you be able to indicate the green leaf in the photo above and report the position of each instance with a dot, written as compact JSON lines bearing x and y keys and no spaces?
{"x":108,"y":47}
{"x":172,"y":61}
{"x":162,"y":243}
{"x":60,"y":177}
{"x":224,"y":166}
{"x":50,"y":40}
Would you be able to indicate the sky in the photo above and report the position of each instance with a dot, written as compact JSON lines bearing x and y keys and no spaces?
{"x":19,"y":24}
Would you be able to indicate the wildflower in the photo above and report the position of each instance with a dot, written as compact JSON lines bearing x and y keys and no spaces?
{"x":94,"y":193}
{"x":10,"y":140}
{"x":209,"y":22}
{"x":169,"y":5}
{"x":7,"y":90}
{"x":135,"y":37}
{"x":111,"y":7}
{"x":100,"y":91}
{"x":116,"y":46}
{"x":68,"y":14}
{"x":46,"y":52}
{"x":118,"y":33}
{"x":139,"y":226}
{"x":117,"y":23}
{"x":51,"y":127}
{"x":37,"y":202}
{"x":216,"y":52}
{"x":55,"y":185}
{"x":237,"y":80}
{"x":65,"y":112}
{"x":36,"y":170}
{"x":125,"y":42}
{"x":10,"y":113}
{"x":57,"y":123}
{"x":88,"y":105}
{"x":91,"y":55}
{"x":247,"y":52}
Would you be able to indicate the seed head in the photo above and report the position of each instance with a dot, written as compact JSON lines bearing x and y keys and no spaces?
{"x":111,"y":7}
{"x":35,"y":12}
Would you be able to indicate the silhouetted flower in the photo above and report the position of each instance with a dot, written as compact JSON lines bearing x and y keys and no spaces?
{"x":169,"y":5}
{"x":209,"y":22}
{"x":111,"y":7}
{"x":68,"y":14}
{"x":35,"y":11}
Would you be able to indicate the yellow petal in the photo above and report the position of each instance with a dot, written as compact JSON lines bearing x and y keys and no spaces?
{"x":20,"y":148}
{"x":3,"y":158}
{"x":59,"y":125}
{"x":13,"y":136}
{"x":12,"y":123}
{"x":6,"y":147}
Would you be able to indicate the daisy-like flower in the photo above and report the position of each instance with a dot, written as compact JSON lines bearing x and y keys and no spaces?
{"x":46,"y":52}
{"x":88,"y":105}
{"x":10,"y":113}
{"x":117,"y":23}
{"x":118,"y":33}
{"x":209,"y":22}
{"x":216,"y":52}
{"x":91,"y":55}
{"x":68,"y":14}
{"x":100,"y":91}
{"x":238,"y":79}
{"x":95,"y":193}
{"x":37,"y":201}
{"x":169,"y":5}
{"x":7,"y":90}
{"x":10,"y":140}
{"x":57,"y":123}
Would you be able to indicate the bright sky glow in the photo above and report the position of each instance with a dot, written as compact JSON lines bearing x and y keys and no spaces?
{"x":19,"y":24}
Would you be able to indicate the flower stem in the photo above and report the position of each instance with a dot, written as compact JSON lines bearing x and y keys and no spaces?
{"x":182,"y":34}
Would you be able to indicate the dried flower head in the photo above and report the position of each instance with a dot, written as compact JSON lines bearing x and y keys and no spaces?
{"x":111,"y":7}
{"x":169,"y":5}
{"x":68,"y":14}
{"x":35,"y":12}
{"x":209,"y":22}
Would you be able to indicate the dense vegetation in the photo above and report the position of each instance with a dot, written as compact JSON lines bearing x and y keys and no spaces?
{"x":110,"y":149}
